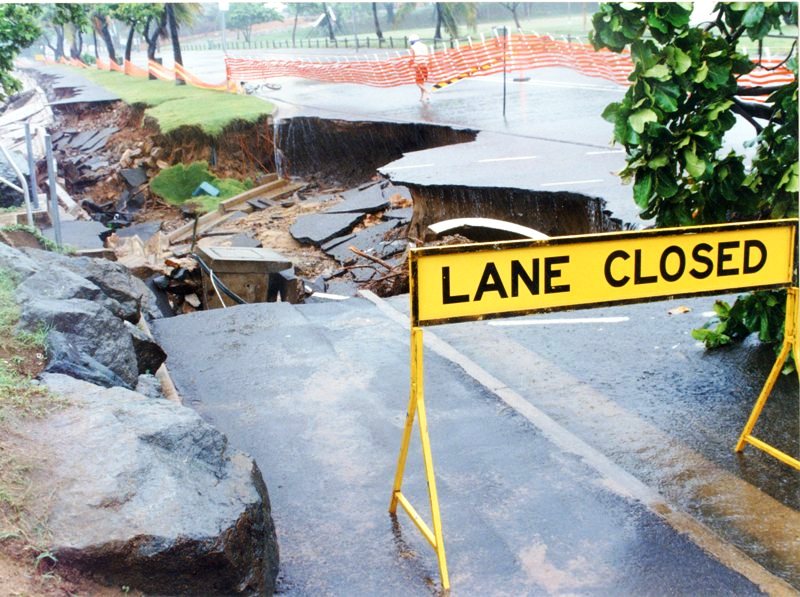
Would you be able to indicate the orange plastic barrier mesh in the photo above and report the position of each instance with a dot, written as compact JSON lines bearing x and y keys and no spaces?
{"x":521,"y":53}
{"x":134,"y":71}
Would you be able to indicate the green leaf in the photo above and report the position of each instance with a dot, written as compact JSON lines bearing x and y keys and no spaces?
{"x":701,"y":73}
{"x":681,"y":61}
{"x":659,"y":71}
{"x":666,"y":96}
{"x":714,"y":112}
{"x":789,"y":181}
{"x":641,"y":117}
{"x":658,"y":162}
{"x":754,"y":14}
{"x":694,"y":165}
{"x":642,"y":189}
{"x":666,"y":186}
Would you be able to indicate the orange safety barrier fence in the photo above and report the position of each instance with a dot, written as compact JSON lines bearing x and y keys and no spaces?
{"x":159,"y":71}
{"x":195,"y":82}
{"x":132,"y":70}
{"x":517,"y":53}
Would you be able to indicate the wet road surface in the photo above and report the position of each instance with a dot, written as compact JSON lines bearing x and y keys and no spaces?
{"x":590,"y":459}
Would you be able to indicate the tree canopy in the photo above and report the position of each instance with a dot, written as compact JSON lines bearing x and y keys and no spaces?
{"x":242,"y":17}
{"x":684,"y":97}
{"x":18,"y":30}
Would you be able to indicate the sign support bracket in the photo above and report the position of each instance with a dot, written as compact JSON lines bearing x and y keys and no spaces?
{"x":790,"y":343}
{"x":416,"y":408}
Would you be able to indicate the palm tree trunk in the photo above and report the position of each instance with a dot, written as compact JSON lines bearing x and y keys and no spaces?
{"x":438,"y":33}
{"x":176,"y":44}
{"x":106,"y":35}
{"x":129,"y":42}
{"x":378,"y":31}
{"x":331,"y":35}
{"x":294,"y":28}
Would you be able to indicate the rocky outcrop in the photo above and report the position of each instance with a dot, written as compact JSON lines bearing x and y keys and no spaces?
{"x":114,"y":279}
{"x":150,"y":496}
{"x":87,"y":306}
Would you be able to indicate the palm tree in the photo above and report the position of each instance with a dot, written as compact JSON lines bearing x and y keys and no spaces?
{"x":176,"y":44}
{"x":378,"y":31}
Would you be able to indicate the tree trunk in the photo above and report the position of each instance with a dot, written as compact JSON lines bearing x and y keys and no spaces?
{"x":176,"y":44}
{"x":59,"y":49}
{"x":151,"y":45}
{"x":331,"y":35}
{"x":516,"y":17}
{"x":94,"y":39}
{"x":129,"y":42}
{"x":294,"y":28}
{"x":378,"y":31}
{"x":76,"y":48}
{"x":106,"y":35}
{"x":438,"y":33}
{"x":389,"y":6}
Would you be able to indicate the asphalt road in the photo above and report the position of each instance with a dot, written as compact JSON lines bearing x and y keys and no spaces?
{"x":588,"y":458}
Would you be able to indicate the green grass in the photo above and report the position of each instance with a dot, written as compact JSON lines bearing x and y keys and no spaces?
{"x":19,"y":397}
{"x":177,"y":183}
{"x":174,"y":106}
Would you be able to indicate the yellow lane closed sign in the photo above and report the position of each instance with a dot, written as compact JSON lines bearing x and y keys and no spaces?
{"x":464,"y":282}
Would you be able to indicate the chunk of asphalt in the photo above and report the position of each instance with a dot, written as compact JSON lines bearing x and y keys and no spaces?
{"x":318,"y":228}
{"x":370,"y":240}
{"x":144,"y":231}
{"x":79,"y":234}
{"x":134,"y":176}
{"x":367,"y":201}
{"x":401,"y":213}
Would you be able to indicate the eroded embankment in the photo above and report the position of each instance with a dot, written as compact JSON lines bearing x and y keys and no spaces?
{"x":347,"y":153}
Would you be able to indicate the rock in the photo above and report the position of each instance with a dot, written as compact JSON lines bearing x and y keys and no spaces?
{"x":149,"y":355}
{"x":89,"y":328}
{"x":66,"y":358}
{"x":149,"y":385}
{"x":113,"y":278}
{"x":149,"y":496}
{"x":60,"y":283}
{"x":17,"y":262}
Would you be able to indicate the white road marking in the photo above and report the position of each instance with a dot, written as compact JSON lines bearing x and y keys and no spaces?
{"x":605,"y":152}
{"x":566,"y":182}
{"x":515,"y":322}
{"x":522,"y":157}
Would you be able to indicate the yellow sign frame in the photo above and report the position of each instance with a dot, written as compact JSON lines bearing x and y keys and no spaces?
{"x":781,"y":276}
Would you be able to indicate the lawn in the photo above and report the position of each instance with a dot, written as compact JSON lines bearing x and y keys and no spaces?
{"x":174,"y":106}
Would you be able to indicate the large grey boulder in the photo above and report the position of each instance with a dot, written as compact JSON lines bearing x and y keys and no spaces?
{"x":14,"y":260}
{"x":88,"y":327}
{"x":114,"y":279}
{"x":148,"y":495}
{"x":60,"y":283}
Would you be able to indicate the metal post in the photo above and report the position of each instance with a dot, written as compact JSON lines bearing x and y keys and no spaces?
{"x":505,"y":38}
{"x":24,"y":188}
{"x":51,"y":181}
{"x":31,"y":167}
